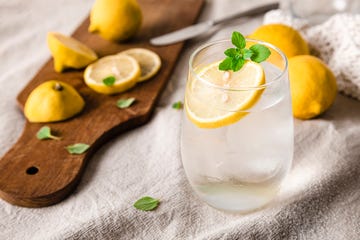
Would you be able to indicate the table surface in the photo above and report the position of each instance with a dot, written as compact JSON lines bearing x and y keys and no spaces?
{"x":319,"y":200}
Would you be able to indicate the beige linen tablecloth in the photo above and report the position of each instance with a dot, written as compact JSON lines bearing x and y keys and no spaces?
{"x":320,"y":198}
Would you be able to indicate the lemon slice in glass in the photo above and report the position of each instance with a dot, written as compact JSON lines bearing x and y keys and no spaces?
{"x":69,"y":52}
{"x":124,"y":70}
{"x":149,"y":61}
{"x":215,"y":98}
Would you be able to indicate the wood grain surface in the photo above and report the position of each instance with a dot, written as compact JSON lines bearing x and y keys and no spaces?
{"x":36,"y":173}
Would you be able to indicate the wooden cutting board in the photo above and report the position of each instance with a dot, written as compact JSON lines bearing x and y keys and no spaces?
{"x":36,"y":173}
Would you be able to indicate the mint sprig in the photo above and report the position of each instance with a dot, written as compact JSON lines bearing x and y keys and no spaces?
{"x":236,"y":57}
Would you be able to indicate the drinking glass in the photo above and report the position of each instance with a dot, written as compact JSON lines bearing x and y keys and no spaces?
{"x":320,"y":10}
{"x":239,"y":166}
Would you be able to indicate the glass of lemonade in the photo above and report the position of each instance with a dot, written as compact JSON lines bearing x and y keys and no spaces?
{"x":237,"y":130}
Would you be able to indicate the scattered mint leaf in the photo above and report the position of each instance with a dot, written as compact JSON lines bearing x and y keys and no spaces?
{"x":236,"y":57}
{"x":146,"y":203}
{"x":77,"y":148}
{"x":226,"y":64}
{"x":238,"y":40}
{"x":125,"y":103}
{"x":260,"y":53}
{"x":177,"y":105}
{"x":45,"y":133}
{"x":109,"y":81}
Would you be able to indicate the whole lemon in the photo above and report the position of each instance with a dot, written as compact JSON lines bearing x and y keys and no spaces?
{"x":115,"y":20}
{"x":313,"y":86}
{"x":282,"y":36}
{"x":53,"y":101}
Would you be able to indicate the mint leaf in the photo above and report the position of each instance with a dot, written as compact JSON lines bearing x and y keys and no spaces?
{"x":177,"y":105}
{"x":238,"y":40}
{"x":237,"y":64}
{"x":247,"y":53}
{"x":125,"y":103}
{"x":231,"y":52}
{"x":226,"y":64}
{"x":146,"y":203}
{"x":109,"y":81}
{"x":45,"y":133}
{"x":77,"y":148}
{"x":260,"y":53}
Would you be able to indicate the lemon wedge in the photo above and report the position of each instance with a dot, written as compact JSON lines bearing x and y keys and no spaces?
{"x":149,"y":62}
{"x":124,"y":69}
{"x":69,"y":52}
{"x":209,"y":100}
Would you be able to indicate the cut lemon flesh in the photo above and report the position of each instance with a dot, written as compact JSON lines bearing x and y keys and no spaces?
{"x":69,"y":52}
{"x":124,"y":69}
{"x":149,"y":61}
{"x":212,"y":100}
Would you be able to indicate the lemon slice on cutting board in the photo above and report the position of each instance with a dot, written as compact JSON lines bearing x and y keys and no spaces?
{"x":124,"y":69}
{"x":149,"y":61}
{"x":210,"y":104}
{"x":69,"y":52}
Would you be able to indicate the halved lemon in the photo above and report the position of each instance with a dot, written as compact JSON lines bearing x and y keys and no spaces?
{"x":53,"y":101}
{"x":69,"y":52}
{"x":211,"y":100}
{"x":149,"y":61}
{"x":124,"y":69}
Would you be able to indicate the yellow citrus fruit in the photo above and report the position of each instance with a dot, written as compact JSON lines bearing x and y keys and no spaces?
{"x":208,"y":105}
{"x":149,"y":61}
{"x":53,"y":101}
{"x":313,"y":86}
{"x":115,"y":20}
{"x":282,"y":36}
{"x":124,"y":69}
{"x":69,"y":52}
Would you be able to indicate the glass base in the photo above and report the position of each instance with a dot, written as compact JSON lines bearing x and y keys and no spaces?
{"x":236,"y":198}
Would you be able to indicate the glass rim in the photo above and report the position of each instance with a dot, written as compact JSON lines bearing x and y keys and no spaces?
{"x":209,"y":44}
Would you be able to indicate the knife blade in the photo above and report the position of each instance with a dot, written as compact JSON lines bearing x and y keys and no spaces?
{"x":203,"y":27}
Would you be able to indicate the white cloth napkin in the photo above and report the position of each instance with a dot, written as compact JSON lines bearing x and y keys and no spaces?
{"x":336,"y":42}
